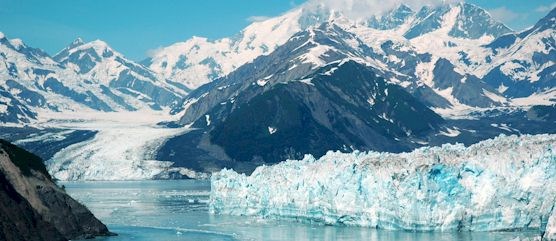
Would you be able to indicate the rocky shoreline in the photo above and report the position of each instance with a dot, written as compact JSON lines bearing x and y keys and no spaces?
{"x":33,"y":207}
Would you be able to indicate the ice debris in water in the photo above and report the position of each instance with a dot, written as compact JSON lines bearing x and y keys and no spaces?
{"x":506,"y":183}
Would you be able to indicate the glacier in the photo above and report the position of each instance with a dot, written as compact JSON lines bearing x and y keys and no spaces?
{"x":123,"y":148}
{"x":550,"y":230}
{"x":506,"y":183}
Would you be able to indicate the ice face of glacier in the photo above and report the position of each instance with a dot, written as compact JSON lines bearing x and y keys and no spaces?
{"x":505,"y":183}
{"x":550,"y":231}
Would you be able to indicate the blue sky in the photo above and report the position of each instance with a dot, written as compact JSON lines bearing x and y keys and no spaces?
{"x":135,"y":26}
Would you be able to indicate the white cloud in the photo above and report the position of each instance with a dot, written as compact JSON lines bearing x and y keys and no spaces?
{"x":153,"y":52}
{"x":257,"y":18}
{"x":545,"y":8}
{"x":505,"y":15}
{"x":357,"y":9}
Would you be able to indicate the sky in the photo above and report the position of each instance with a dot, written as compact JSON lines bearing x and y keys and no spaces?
{"x":134,"y":27}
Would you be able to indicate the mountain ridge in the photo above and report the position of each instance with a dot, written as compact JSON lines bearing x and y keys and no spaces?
{"x":89,"y":77}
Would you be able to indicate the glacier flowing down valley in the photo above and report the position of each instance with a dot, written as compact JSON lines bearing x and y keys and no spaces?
{"x":123,"y":148}
{"x":507,"y":183}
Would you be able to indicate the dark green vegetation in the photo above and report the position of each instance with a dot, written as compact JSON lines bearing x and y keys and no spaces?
{"x":26,"y":161}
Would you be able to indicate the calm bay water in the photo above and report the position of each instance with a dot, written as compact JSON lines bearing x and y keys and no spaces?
{"x":178,"y":210}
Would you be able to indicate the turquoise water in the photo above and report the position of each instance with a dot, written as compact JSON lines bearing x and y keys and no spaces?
{"x":178,"y":210}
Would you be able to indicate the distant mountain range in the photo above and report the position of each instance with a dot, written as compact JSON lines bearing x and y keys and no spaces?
{"x":457,"y":50}
{"x":329,"y":86}
{"x":308,"y":81}
{"x":83,"y":76}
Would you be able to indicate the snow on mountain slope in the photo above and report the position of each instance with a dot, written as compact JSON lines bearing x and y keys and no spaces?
{"x":302,"y":54}
{"x":415,"y":69}
{"x":13,"y":111}
{"x":32,"y":78}
{"x":391,"y":19}
{"x":524,"y":63}
{"x":456,"y":32}
{"x":505,"y":183}
{"x":198,"y":61}
{"x":96,"y":62}
{"x":393,"y":58}
{"x":461,"y":20}
{"x":186,"y":61}
{"x":89,"y":76}
{"x":462,"y":51}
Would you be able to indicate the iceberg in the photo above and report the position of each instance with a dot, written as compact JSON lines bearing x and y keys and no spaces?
{"x":506,"y":183}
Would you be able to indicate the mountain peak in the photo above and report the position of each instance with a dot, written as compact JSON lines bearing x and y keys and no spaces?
{"x":97,"y":49}
{"x":17,"y":43}
{"x":2,"y":36}
{"x":99,"y":45}
{"x":461,"y":20}
{"x":403,"y":8}
{"x":78,"y":41}
{"x":391,"y":19}
{"x":85,"y":55}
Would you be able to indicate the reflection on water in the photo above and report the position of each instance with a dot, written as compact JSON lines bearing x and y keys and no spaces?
{"x":178,"y":210}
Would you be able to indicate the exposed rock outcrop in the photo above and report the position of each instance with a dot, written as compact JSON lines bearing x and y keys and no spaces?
{"x":33,"y":207}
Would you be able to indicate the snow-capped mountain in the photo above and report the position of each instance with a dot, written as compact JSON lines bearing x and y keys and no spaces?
{"x":319,"y":91}
{"x":429,"y":66}
{"x":437,"y":84}
{"x":98,"y":63}
{"x":301,"y":55}
{"x":524,"y":63}
{"x":391,"y":19}
{"x":31,"y":79}
{"x":88,"y":76}
{"x":462,"y":20}
{"x":199,"y":60}
{"x":13,"y":111}
{"x":342,"y":106}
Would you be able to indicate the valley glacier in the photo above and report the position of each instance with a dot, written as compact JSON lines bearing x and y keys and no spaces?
{"x":506,"y":183}
{"x":122,"y":149}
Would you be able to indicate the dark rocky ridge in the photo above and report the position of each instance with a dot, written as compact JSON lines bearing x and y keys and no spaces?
{"x":34,"y":207}
{"x":343,"y":106}
{"x":18,"y":220}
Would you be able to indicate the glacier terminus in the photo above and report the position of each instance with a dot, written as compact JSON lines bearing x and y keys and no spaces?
{"x":507,"y":183}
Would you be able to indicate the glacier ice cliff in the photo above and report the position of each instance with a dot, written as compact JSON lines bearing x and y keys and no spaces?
{"x":507,"y":183}
{"x":550,"y":231}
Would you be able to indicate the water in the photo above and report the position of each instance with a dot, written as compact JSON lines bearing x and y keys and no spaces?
{"x":178,"y":210}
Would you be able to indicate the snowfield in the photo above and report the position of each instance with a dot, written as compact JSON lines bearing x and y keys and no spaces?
{"x":506,"y":183}
{"x":122,"y":149}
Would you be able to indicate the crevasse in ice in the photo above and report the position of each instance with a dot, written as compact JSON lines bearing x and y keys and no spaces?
{"x":505,"y":183}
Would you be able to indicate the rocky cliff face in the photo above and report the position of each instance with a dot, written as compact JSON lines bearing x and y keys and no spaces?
{"x":18,"y":220}
{"x":33,"y":207}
